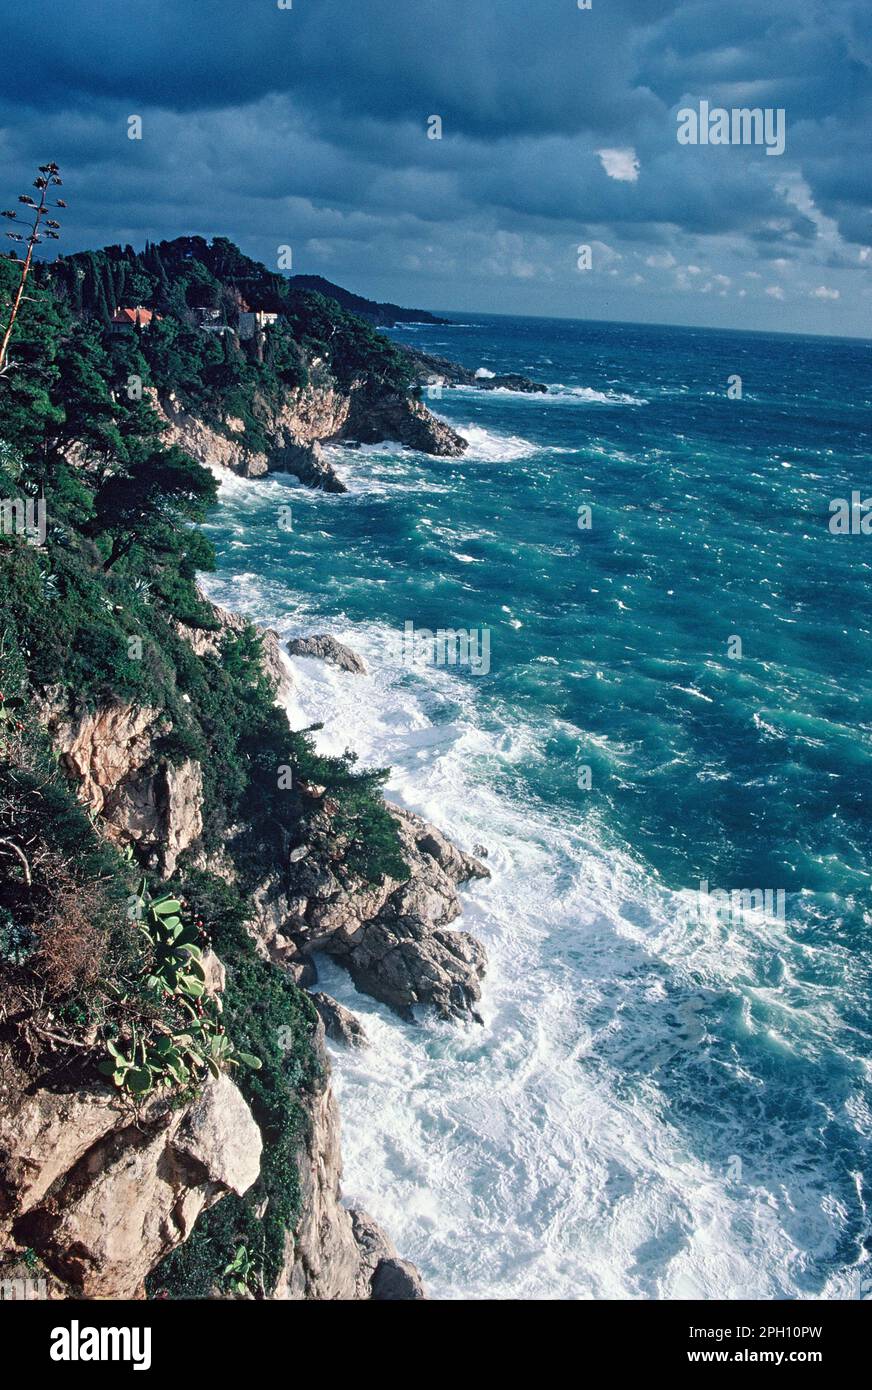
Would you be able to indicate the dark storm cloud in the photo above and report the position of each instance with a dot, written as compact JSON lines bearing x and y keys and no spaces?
{"x":493,"y":67}
{"x":309,"y":126}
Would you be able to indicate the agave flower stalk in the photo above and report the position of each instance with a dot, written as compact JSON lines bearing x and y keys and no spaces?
{"x":47,"y":178}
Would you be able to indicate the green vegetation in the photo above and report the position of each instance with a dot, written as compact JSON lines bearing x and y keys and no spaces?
{"x":369,"y":309}
{"x":95,"y":610}
{"x":70,"y":965}
{"x":210,"y":372}
{"x":173,"y":968}
{"x":241,"y":1272}
{"x":101,"y":970}
{"x":266,"y":1013}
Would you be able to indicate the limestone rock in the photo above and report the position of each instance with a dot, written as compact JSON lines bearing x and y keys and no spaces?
{"x":396,"y":1279}
{"x":340,"y":1024}
{"x":326,"y":648}
{"x":102,"y":748}
{"x":322,"y":1258}
{"x":393,"y":937}
{"x":307,"y":416}
{"x":45,"y":1136}
{"x":218,"y":1132}
{"x":404,"y":419}
{"x":363,"y":412}
{"x":101,"y":1197}
{"x":409,"y":965}
{"x":308,"y":463}
{"x":301,"y":966}
{"x":143,"y":798}
{"x":159,"y":810}
{"x":373,"y":1244}
{"x":334,"y":1252}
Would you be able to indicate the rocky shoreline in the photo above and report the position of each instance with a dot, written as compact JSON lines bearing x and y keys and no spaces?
{"x":149,"y":722}
{"x":323,"y":413}
{"x":316,"y":415}
{"x":102,"y":1194}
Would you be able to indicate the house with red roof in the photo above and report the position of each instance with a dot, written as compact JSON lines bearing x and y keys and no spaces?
{"x":123,"y":318}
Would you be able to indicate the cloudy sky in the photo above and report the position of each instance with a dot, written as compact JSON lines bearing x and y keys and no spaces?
{"x":308,"y":126}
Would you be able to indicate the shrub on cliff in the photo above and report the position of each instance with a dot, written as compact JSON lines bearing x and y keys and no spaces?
{"x":267,"y":1015}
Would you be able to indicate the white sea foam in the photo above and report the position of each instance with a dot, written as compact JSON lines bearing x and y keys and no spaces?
{"x":535,"y":1156}
{"x":556,"y":392}
{"x":594,"y":397}
{"x":489,"y":446}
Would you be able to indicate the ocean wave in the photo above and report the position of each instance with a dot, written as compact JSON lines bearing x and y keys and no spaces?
{"x":489,"y":446}
{"x":379,"y":470}
{"x":536,"y":1156}
{"x":388,"y":466}
{"x":556,"y":392}
{"x":449,"y":323}
{"x":501,"y":1177}
{"x":592,"y":396}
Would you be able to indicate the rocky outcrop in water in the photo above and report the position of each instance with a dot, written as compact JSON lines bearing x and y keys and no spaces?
{"x":308,"y":463}
{"x":394,"y":937}
{"x":294,"y":432}
{"x":309,"y":417}
{"x":340,"y":1024}
{"x":396,"y":1279}
{"x":439,"y":371}
{"x":326,"y":648}
{"x":404,"y":420}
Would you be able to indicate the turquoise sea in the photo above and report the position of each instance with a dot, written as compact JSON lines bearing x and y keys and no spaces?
{"x":665,"y":1100}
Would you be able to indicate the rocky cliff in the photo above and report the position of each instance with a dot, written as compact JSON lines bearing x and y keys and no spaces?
{"x":141,"y":797}
{"x":393,"y":937}
{"x":318,"y":413}
{"x":100,"y":1190}
{"x":101,"y":1194}
{"x":336,"y":1253}
{"x":148,"y":815}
